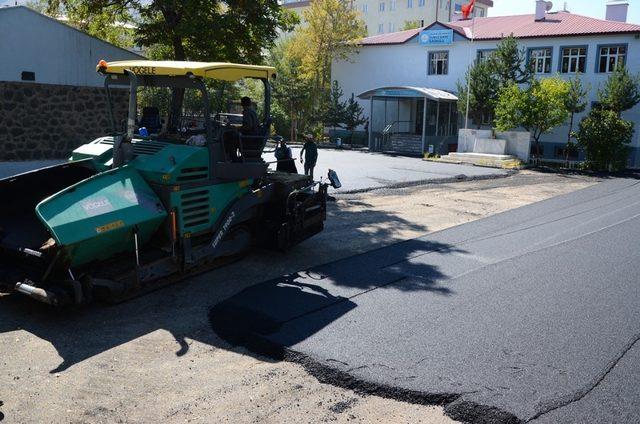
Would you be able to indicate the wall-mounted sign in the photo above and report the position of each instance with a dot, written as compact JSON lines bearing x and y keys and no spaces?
{"x":435,"y":37}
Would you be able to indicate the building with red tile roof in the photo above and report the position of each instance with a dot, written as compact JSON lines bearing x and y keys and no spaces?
{"x":559,"y":24}
{"x":437,"y":56}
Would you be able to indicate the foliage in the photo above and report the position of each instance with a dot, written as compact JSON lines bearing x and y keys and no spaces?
{"x":207,"y":30}
{"x":411,"y":25}
{"x":331,"y":30}
{"x":291,"y":99}
{"x":482,"y":89}
{"x":621,"y":91}
{"x":538,"y":108}
{"x":575,"y":102}
{"x":506,"y":65}
{"x":605,"y":138}
{"x":304,"y":58}
{"x":111,"y":23}
{"x":509,"y":63}
{"x":354,"y":114}
{"x":343,"y":114}
{"x":336,"y":109}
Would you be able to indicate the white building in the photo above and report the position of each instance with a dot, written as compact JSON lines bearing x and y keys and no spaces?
{"x":51,"y":97}
{"x":384,"y":16}
{"x":388,"y":66}
{"x":37,"y":48}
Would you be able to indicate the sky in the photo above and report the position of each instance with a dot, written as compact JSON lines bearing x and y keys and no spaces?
{"x":594,"y":8}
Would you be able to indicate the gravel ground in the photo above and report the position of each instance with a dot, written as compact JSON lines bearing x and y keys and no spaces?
{"x":155,"y":358}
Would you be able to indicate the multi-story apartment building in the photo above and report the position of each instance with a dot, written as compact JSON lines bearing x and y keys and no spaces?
{"x":383,"y":16}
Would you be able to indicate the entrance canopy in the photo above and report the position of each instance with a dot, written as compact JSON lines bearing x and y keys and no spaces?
{"x":405,"y":118}
{"x":408,"y":92}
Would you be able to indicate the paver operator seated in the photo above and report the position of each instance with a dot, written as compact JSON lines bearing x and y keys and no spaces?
{"x":250,"y":127}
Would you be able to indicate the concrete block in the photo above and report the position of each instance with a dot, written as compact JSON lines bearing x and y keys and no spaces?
{"x":518,"y":143}
{"x":492,"y":146}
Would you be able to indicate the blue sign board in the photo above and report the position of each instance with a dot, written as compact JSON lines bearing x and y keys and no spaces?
{"x":398,"y":93}
{"x":435,"y":37}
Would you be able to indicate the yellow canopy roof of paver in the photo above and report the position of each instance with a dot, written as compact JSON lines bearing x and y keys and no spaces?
{"x":215,"y":70}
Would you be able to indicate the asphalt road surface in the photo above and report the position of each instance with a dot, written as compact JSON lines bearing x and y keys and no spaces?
{"x":528,"y":315}
{"x":358,"y":171}
{"x":362,"y":171}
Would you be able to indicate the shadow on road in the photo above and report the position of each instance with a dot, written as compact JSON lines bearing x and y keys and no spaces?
{"x":271,"y":317}
{"x":316,"y":297}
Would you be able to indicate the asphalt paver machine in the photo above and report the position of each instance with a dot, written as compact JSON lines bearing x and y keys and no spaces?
{"x":129,"y":212}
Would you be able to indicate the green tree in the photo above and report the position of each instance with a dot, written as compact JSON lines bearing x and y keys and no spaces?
{"x":110,"y":23}
{"x":411,"y":25}
{"x":290,"y":90}
{"x":509,"y":63}
{"x":482,"y":90}
{"x":207,"y":30}
{"x":605,"y":138}
{"x":538,"y":108}
{"x":621,"y":91}
{"x":331,"y":31}
{"x":354,"y":114}
{"x":575,"y":102}
{"x":336,"y":112}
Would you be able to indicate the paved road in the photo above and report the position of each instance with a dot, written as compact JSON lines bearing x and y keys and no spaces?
{"x":360,"y":171}
{"x":528,"y":315}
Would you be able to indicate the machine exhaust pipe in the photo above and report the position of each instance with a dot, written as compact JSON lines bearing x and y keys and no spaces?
{"x":38,"y":293}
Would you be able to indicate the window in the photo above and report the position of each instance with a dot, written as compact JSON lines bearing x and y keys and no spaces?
{"x":438,"y":63}
{"x":28,"y":76}
{"x":392,"y":27}
{"x":458,"y":7}
{"x":484,"y":55}
{"x":609,"y":57}
{"x":365,"y":8}
{"x":478,"y":12}
{"x":381,"y":7}
{"x":574,"y":59}
{"x":380,"y":28}
{"x":409,"y":4}
{"x":392,"y":5}
{"x":541,"y":60}
{"x":420,"y":3}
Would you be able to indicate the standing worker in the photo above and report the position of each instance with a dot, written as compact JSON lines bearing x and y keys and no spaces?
{"x":311,"y":157}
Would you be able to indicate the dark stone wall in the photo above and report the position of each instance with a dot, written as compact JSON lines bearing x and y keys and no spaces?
{"x":45,"y":121}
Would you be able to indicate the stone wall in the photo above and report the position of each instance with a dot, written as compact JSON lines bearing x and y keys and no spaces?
{"x":44,"y":121}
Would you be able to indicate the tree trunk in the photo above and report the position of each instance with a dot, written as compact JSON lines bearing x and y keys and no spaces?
{"x":566,"y":150}
{"x":292,"y":129}
{"x":177,"y":94}
{"x":172,"y":18}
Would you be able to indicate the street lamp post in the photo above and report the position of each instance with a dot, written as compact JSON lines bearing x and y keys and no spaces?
{"x":466,"y":115}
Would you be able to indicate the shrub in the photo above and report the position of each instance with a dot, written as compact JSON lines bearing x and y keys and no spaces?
{"x":605,"y":138}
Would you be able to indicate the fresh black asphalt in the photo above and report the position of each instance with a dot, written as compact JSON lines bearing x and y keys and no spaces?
{"x":528,"y":315}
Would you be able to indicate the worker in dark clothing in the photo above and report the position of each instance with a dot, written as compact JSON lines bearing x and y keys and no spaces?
{"x":250,"y":127}
{"x":310,"y":148}
{"x":286,"y":163}
{"x":250,"y":121}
